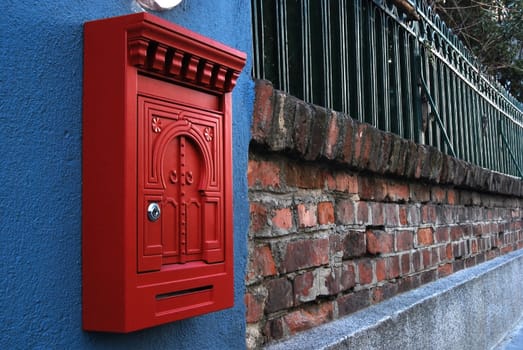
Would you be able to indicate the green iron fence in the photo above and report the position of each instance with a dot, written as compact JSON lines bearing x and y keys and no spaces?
{"x":412,"y":78}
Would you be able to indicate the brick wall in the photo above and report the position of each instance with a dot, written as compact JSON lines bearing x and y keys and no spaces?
{"x":344,"y":216}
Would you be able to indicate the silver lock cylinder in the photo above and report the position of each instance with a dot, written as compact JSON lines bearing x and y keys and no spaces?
{"x":153,"y":212}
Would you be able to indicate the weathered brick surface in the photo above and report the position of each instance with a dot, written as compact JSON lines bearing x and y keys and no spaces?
{"x":379,"y":242}
{"x":343,"y":216}
{"x":308,"y":252}
{"x":280,"y":295}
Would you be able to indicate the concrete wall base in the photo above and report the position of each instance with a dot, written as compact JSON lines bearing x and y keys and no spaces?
{"x":471,"y":309}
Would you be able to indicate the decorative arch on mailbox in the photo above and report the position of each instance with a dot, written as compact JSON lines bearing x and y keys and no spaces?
{"x":157,"y":173}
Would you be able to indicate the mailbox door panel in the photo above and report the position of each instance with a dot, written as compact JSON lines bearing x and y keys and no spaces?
{"x":181,"y":153}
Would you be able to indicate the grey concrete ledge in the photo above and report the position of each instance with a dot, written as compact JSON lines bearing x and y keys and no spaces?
{"x":471,"y":309}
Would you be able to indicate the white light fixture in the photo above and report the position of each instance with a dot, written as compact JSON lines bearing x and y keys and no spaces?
{"x":159,"y":5}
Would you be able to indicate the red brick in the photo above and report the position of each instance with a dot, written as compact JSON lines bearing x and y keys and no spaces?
{"x":254,"y":304}
{"x":426,"y":255}
{"x":347,"y":149}
{"x":404,"y":240}
{"x":258,"y":217}
{"x":438,"y":195}
{"x":354,"y":245}
{"x":477,"y":229}
{"x":428,"y":276}
{"x":398,"y":192}
{"x":442,"y":253}
{"x":329,"y":280}
{"x":273,"y":329}
{"x":413,"y":215}
{"x":362,"y":216}
{"x":448,"y":252}
{"x":379,"y":242}
{"x":405,"y":263}
{"x":444,"y":270}
{"x":365,"y":271}
{"x":303,"y":287}
{"x":378,"y":217}
{"x":262,"y":262}
{"x":302,"y":123}
{"x":471,"y":261}
{"x":391,"y":214}
{"x":419,"y":192}
{"x":263,"y":173}
{"x":318,"y":133}
{"x":348,"y":277}
{"x":325,"y":213}
{"x":344,"y":182}
{"x":282,"y":218}
{"x":330,"y":181}
{"x":279,"y":295}
{"x":425,"y":236}
{"x":458,"y":265}
{"x":336,"y":244}
{"x":313,"y":316}
{"x":381,"y":270}
{"x":345,"y":212}
{"x":353,"y":302}
{"x":361,"y":148}
{"x":456,"y":232}
{"x":379,"y":150}
{"x":442,"y":234}
{"x":262,"y":111}
{"x":393,"y":267}
{"x":304,"y":175}
{"x":307,"y":215}
{"x":416,"y":261}
{"x":428,"y":214}
{"x":384,"y":292}
{"x":403,"y":215}
{"x":331,"y":140}
{"x":305,"y":253}
{"x":372,"y":188}
{"x":435,"y":256}
{"x":451,"y":197}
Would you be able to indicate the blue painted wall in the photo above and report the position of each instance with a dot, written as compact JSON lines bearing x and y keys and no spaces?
{"x":40,"y":175}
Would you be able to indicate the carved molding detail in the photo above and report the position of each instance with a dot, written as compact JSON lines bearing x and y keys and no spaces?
{"x":156,"y":125}
{"x":208,"y":133}
{"x":172,"y":62}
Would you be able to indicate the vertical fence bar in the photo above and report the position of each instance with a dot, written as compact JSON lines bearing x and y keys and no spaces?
{"x":339,"y":89}
{"x":363,"y":58}
{"x":307,"y":52}
{"x":356,"y":65}
{"x":297,"y":73}
{"x":326,"y":48}
{"x":406,"y":83}
{"x":382,"y":74}
{"x":345,"y":55}
{"x":396,"y":106}
{"x":369,"y":69}
{"x":281,"y":39}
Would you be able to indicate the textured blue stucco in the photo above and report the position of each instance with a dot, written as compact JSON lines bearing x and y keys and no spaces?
{"x":40,"y":173}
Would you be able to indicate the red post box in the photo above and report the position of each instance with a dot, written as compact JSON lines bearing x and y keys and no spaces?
{"x":157,"y":173}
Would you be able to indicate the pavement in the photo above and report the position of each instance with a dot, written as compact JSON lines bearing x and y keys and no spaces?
{"x":513,"y":340}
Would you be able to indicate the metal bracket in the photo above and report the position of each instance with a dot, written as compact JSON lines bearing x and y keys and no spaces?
{"x":438,"y":118}
{"x":506,"y":144}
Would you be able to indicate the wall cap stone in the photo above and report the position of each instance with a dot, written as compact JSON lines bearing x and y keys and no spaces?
{"x":285,"y":124}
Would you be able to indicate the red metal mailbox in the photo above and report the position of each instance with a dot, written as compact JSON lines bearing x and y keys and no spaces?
{"x":157,"y":173}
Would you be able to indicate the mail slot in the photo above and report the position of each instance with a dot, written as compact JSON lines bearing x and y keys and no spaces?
{"x":157,"y":173}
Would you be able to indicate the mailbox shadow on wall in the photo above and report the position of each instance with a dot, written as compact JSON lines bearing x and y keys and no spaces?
{"x":157,"y":173}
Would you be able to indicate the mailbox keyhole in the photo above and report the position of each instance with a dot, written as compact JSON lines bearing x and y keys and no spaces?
{"x":153,"y":212}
